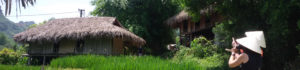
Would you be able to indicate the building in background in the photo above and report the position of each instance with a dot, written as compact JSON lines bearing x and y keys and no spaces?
{"x":190,"y":30}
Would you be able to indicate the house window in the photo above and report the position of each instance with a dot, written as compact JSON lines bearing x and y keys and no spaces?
{"x":79,"y":46}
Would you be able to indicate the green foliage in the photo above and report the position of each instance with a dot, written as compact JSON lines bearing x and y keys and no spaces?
{"x":222,"y":35}
{"x":184,"y":55}
{"x":11,"y":57}
{"x":215,"y":62}
{"x":202,"y":53}
{"x":22,"y":61}
{"x":4,"y":40}
{"x":177,"y":40}
{"x":35,"y":25}
{"x":8,"y":56}
{"x":32,"y":26}
{"x":94,"y":62}
{"x":201,"y":47}
{"x":142,"y":17}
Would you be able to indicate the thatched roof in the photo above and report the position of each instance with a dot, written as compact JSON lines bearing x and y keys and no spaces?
{"x":173,"y":21}
{"x":183,"y":15}
{"x":78,"y":28}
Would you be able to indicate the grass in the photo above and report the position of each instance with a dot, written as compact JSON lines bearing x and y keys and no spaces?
{"x":93,"y":62}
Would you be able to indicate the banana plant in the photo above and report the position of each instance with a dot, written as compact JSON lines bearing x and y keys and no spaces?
{"x":19,"y":3}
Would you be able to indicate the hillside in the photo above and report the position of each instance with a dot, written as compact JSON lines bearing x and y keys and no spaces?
{"x":10,"y":28}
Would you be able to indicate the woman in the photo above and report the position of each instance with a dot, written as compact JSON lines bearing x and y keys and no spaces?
{"x":246,"y":52}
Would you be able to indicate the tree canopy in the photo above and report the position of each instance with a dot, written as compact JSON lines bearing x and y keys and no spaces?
{"x":143,"y":17}
{"x":5,"y":41}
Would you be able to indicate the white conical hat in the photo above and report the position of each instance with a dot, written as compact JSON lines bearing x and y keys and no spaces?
{"x":253,"y":41}
{"x":259,"y":35}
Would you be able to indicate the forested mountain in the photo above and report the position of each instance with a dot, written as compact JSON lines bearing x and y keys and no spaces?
{"x":10,"y":28}
{"x":25,"y":24}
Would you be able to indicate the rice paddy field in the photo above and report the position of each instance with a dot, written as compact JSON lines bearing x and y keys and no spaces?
{"x":92,"y":62}
{"x":19,"y":67}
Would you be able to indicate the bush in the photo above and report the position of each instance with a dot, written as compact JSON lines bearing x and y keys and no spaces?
{"x":215,"y":62}
{"x":8,"y":56}
{"x":201,"y":47}
{"x":202,"y":53}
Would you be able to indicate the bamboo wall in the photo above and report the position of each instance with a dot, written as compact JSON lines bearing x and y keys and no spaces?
{"x":45,"y":48}
{"x":91,"y":46}
{"x":67,"y":46}
{"x":98,"y":46}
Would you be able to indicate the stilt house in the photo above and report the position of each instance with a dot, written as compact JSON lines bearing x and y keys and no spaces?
{"x":72,"y":36}
{"x":190,"y":29}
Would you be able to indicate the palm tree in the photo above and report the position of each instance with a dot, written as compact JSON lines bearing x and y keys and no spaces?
{"x":19,"y":3}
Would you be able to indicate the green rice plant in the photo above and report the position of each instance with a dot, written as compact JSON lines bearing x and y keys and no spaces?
{"x":19,"y":67}
{"x":93,"y":62}
{"x":77,"y":61}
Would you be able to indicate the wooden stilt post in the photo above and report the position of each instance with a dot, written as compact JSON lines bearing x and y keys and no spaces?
{"x":29,"y":60}
{"x":43,"y":66}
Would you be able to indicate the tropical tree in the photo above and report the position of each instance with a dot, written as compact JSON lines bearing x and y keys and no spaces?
{"x":8,"y":4}
{"x":3,"y":39}
{"x":35,"y":25}
{"x":143,"y":17}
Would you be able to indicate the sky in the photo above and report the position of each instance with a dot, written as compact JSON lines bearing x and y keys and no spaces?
{"x":52,"y":8}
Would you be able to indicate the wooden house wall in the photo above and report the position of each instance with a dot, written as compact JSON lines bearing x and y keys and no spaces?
{"x":202,"y":24}
{"x":193,"y":26}
{"x":67,"y":46}
{"x":181,"y":28}
{"x":118,"y":47}
{"x":36,"y":48}
{"x":91,"y":46}
{"x":98,"y":46}
{"x":189,"y":26}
